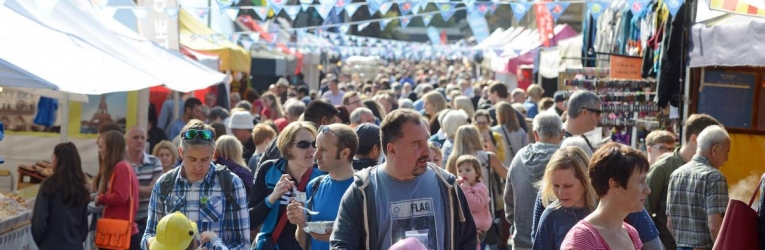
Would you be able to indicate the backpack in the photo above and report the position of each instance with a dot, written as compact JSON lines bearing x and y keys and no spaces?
{"x":224,"y":178}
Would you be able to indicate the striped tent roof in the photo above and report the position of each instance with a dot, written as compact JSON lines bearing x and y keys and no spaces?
{"x":742,"y":7}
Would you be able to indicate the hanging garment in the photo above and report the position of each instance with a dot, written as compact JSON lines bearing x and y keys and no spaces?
{"x":46,"y":112}
{"x":672,"y":67}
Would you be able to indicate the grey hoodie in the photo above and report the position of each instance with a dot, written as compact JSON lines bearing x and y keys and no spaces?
{"x":527,"y":168}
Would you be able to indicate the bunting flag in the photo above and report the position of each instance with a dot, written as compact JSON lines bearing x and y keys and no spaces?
{"x":344,"y":28}
{"x":276,"y":5}
{"x":172,"y":12}
{"x":323,"y":10}
{"x":426,"y":19}
{"x":557,"y":8}
{"x":224,"y":4}
{"x":305,"y":4}
{"x":447,"y":10}
{"x":742,"y":7}
{"x":374,"y":6}
{"x":424,"y":4}
{"x":520,"y":9}
{"x":385,"y":7}
{"x":482,"y":8}
{"x":673,"y":6}
{"x":405,"y":21}
{"x":638,"y":7}
{"x":247,"y":44}
{"x":139,"y":12}
{"x":327,"y":2}
{"x":383,"y":24}
{"x":232,"y":13}
{"x":405,"y":7}
{"x":361,"y":26}
{"x":292,"y":11}
{"x":416,"y":10}
{"x":351,"y":8}
{"x":339,"y":6}
{"x":596,"y":8}
{"x":202,"y":13}
{"x":493,"y":7}
{"x":468,"y":3}
{"x":261,"y":11}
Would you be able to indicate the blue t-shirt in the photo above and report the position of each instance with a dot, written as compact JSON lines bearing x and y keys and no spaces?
{"x":175,"y":129}
{"x":554,"y":224}
{"x":326,"y":201}
{"x":413,"y":208}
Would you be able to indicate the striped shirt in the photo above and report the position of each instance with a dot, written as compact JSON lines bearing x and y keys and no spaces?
{"x":696,"y":190}
{"x":204,"y":203}
{"x":149,"y":169}
{"x":584,"y":236}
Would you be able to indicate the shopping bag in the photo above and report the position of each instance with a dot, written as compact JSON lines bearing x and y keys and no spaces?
{"x":739,"y":226}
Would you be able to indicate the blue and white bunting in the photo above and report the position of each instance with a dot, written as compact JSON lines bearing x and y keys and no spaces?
{"x":493,"y":7}
{"x":447,"y":10}
{"x":329,"y":3}
{"x":292,"y":11}
{"x":202,"y":13}
{"x":374,"y":6}
{"x":520,"y":9}
{"x":405,"y":21}
{"x":638,"y":7}
{"x":674,"y":6}
{"x":224,"y":4}
{"x":232,"y":13}
{"x":597,"y":8}
{"x":305,"y":4}
{"x":323,"y":10}
{"x":482,"y":8}
{"x":261,"y":11}
{"x":361,"y":26}
{"x":276,"y":5}
{"x":416,"y":10}
{"x":385,"y":7}
{"x":468,"y":2}
{"x":383,"y":24}
{"x":405,"y":7}
{"x":424,"y":4}
{"x":556,"y":9}
{"x":426,"y":19}
{"x":339,"y":6}
{"x":172,"y":12}
{"x":140,"y":12}
{"x":344,"y":28}
{"x":351,"y":8}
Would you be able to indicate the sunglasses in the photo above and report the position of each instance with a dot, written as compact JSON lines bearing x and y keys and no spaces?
{"x":596,"y":111}
{"x":325,"y":129}
{"x":305,"y":144}
{"x":194,"y":133}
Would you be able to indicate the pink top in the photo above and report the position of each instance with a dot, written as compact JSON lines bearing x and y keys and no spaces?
{"x":584,"y":236}
{"x":478,"y":200}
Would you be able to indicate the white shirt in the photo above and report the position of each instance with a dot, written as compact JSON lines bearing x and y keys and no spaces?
{"x":334,"y":99}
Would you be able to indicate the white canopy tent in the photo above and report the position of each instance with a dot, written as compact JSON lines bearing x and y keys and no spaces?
{"x":77,"y":19}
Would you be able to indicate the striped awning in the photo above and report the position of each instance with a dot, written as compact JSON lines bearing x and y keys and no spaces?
{"x":742,"y":7}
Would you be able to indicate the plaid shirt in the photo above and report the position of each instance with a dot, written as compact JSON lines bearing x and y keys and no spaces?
{"x":203,"y":202}
{"x":696,"y":190}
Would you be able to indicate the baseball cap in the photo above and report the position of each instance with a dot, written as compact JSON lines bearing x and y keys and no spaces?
{"x":369,"y":134}
{"x":241,"y":120}
{"x":174,"y":232}
{"x":559,"y":96}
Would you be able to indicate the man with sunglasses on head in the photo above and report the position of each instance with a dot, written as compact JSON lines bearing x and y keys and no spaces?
{"x":210,"y":195}
{"x":336,"y":144}
{"x":584,"y":112}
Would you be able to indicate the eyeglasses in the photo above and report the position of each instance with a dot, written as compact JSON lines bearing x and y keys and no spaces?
{"x":305,"y":144}
{"x":325,"y":129}
{"x":663,"y":148}
{"x":194,"y":133}
{"x":596,"y":111}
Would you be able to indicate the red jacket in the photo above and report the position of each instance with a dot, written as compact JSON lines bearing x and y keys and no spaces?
{"x":116,"y":199}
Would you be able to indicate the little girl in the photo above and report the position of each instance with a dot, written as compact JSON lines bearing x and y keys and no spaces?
{"x":476,"y":192}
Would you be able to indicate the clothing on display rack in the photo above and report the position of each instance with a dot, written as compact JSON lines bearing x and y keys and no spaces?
{"x":611,"y":83}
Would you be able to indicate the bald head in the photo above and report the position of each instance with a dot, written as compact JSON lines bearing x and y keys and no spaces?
{"x":136,"y":139}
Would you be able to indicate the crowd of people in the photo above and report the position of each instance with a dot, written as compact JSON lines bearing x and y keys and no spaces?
{"x":420,"y":156}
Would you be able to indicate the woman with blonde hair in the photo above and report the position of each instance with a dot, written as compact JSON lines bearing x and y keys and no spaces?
{"x":465,"y":104}
{"x":116,"y":182}
{"x":508,"y":126}
{"x":167,"y":153}
{"x":434,"y":103}
{"x":272,"y":109}
{"x":228,"y":152}
{"x":566,"y":193}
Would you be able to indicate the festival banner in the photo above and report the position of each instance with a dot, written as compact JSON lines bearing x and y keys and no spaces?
{"x":556,"y":9}
{"x":405,"y":7}
{"x":383,"y":24}
{"x":405,"y":21}
{"x":673,"y":6}
{"x":292,"y":11}
{"x":520,"y":9}
{"x":351,"y":8}
{"x":385,"y":7}
{"x":276,"y":5}
{"x":261,"y":11}
{"x":447,"y":10}
{"x":478,"y":25}
{"x":323,"y":10}
{"x":545,"y":23}
{"x":597,"y":8}
{"x":426,"y":19}
{"x":305,"y":4}
{"x":433,"y":35}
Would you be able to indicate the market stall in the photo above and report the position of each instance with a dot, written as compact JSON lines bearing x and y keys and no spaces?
{"x":726,"y":81}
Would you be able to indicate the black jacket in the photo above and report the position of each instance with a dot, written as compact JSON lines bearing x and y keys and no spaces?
{"x":56,"y":225}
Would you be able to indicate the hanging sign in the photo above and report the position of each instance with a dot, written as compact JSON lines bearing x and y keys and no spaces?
{"x":478,"y":26}
{"x":556,"y":9}
{"x":728,"y":96}
{"x":447,"y":10}
{"x":627,"y":68}
{"x":545,"y":24}
{"x":292,"y":11}
{"x":520,"y":9}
